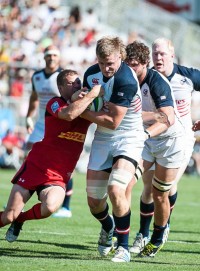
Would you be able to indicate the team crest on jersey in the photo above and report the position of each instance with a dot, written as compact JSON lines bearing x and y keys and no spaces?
{"x":145,"y":92}
{"x":54,"y":106}
{"x":184,"y":80}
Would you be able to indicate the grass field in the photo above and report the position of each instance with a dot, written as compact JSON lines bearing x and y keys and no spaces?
{"x":70,"y":244}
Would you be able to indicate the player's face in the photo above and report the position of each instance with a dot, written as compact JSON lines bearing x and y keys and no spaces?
{"x":52,"y":61}
{"x":162,"y":58}
{"x":72,"y":84}
{"x":110,"y":64}
{"x":140,"y":69}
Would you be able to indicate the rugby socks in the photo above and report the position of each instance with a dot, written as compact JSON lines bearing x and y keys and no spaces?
{"x":1,"y":224}
{"x":122,"y":227}
{"x":69,"y":191}
{"x":105,"y":220}
{"x":146,"y":214}
{"x":172,"y":201}
{"x":33,"y":213}
{"x":157,"y":236}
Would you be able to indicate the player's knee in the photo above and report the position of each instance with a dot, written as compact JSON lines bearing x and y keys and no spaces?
{"x":162,"y":186}
{"x":49,"y":211}
{"x":96,"y":205}
{"x":120,"y":178}
{"x":97,"y":192}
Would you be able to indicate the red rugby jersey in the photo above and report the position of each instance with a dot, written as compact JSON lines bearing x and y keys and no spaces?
{"x":62,"y":143}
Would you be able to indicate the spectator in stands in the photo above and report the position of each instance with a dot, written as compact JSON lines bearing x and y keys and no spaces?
{"x":11,"y":151}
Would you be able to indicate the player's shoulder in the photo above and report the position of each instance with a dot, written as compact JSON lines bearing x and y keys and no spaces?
{"x":59,"y":99}
{"x":92,"y":70}
{"x":125,"y":75}
{"x":154,"y":76}
{"x":185,"y":71}
{"x":38,"y":73}
{"x":55,"y":103}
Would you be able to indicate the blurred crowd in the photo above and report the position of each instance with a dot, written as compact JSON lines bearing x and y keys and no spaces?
{"x":27,"y":27}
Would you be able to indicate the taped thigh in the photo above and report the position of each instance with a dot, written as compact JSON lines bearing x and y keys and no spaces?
{"x":97,"y":189}
{"x":120,"y":177}
{"x":161,"y":185}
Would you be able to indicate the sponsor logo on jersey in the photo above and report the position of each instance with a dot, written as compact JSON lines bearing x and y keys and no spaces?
{"x":95,"y":81}
{"x":54,"y":106}
{"x":73,"y":136}
{"x":163,"y":98}
{"x":120,"y":94}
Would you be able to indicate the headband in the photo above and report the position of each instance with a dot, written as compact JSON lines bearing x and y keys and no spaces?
{"x":52,"y":52}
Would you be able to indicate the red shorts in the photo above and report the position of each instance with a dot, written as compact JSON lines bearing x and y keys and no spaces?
{"x":32,"y":178}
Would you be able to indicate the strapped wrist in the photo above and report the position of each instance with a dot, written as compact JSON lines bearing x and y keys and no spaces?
{"x":29,"y":122}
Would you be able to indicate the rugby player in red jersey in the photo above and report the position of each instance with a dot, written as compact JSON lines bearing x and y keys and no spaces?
{"x":50,"y":163}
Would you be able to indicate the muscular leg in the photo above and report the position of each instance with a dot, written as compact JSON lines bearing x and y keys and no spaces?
{"x":17,"y":199}
{"x":51,"y":199}
{"x":173,"y":191}
{"x":122,"y":173}
{"x":162,"y":179}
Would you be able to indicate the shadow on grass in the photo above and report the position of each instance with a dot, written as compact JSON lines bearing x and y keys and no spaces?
{"x":72,"y":251}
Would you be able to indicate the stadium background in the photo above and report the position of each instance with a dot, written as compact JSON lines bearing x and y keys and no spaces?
{"x":26,"y":27}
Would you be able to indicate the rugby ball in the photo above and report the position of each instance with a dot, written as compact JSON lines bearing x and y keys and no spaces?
{"x":96,"y":105}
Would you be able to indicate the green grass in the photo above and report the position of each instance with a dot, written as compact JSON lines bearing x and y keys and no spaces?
{"x":70,"y":244}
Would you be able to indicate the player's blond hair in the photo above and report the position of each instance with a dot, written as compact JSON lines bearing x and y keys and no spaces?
{"x":169,"y":43}
{"x":109,"y":45}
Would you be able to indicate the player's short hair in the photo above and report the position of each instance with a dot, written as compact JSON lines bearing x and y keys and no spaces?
{"x":62,"y":76}
{"x":139,"y":52}
{"x":166,"y":41}
{"x":109,"y":45}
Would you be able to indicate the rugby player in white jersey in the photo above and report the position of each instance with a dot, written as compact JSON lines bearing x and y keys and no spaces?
{"x":164,"y":150}
{"x":44,"y":87}
{"x":183,"y":81}
{"x":117,"y":145}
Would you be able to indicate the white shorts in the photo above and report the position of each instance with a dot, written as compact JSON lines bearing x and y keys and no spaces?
{"x":37,"y":134}
{"x":167,"y":152}
{"x":103,"y":149}
{"x":189,"y":145}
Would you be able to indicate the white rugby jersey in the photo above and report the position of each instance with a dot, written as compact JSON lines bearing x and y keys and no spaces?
{"x":184,"y":81}
{"x":156,"y":93}
{"x":121,"y":89}
{"x":46,"y":87}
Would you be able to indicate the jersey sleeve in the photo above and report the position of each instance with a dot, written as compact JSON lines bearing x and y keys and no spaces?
{"x":195,"y":77}
{"x":54,"y":106}
{"x":124,"y":89}
{"x":161,"y":93}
